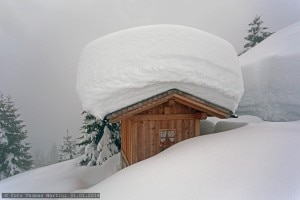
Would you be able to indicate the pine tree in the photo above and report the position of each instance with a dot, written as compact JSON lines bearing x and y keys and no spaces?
{"x":14,"y":151}
{"x":106,"y":147}
{"x":39,"y":159}
{"x":53,"y":154}
{"x":93,"y":130}
{"x":68,"y":148}
{"x":257,"y":33}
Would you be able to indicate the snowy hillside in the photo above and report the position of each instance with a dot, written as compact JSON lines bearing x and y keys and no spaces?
{"x":271,"y":72}
{"x":65,"y":176}
{"x":123,"y":68}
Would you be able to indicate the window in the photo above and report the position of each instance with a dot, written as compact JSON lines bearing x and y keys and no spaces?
{"x":167,"y":138}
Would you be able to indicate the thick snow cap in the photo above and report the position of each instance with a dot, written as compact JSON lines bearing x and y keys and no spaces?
{"x":126,"y":67}
{"x":271,"y":73}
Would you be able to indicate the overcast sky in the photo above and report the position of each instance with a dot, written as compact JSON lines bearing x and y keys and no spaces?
{"x":41,"y":41}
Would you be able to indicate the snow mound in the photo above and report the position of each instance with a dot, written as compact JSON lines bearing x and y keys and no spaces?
{"x":215,"y":125}
{"x":222,"y":126}
{"x":126,"y":67}
{"x":66,"y":176}
{"x":206,"y":127}
{"x":271,"y":73}
{"x":258,"y":161}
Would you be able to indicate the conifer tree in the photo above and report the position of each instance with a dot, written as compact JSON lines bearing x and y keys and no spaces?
{"x":93,"y":130}
{"x":14,"y":151}
{"x":53,"y":154}
{"x":39,"y":158}
{"x":68,"y":148}
{"x":257,"y":33}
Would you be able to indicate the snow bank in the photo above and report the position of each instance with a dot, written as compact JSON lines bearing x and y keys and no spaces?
{"x":233,"y":123}
{"x":242,"y":118}
{"x":271,"y":74}
{"x":206,"y":127}
{"x":63,"y":177}
{"x":123,"y":68}
{"x":215,"y":125}
{"x":226,"y":126}
{"x":258,"y":161}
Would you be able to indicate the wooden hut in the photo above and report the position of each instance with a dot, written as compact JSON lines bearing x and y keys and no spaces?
{"x":154,"y":124}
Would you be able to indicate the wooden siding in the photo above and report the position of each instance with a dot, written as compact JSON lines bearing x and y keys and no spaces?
{"x":140,"y":133}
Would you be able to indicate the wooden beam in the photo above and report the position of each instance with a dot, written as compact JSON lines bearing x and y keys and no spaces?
{"x":134,"y":142}
{"x":129,"y":140}
{"x":203,"y":116}
{"x":124,"y":159}
{"x":197,"y":127}
{"x":169,"y":117}
{"x":201,"y":107}
{"x":123,"y":136}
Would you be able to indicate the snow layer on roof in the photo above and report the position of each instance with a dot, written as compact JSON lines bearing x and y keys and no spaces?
{"x":271,"y":73}
{"x":126,"y":67}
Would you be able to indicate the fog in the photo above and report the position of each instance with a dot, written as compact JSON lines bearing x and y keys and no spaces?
{"x":41,"y":41}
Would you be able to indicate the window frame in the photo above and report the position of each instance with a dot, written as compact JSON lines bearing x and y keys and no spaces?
{"x":167,"y":141}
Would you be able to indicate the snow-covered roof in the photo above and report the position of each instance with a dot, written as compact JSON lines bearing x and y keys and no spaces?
{"x":271,"y":76}
{"x":126,"y":67}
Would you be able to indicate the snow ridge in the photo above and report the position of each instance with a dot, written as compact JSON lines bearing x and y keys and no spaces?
{"x":271,"y":77}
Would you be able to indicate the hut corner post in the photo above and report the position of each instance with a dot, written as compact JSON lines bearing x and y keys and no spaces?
{"x":124,"y":160}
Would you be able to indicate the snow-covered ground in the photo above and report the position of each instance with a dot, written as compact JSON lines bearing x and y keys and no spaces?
{"x":271,"y":72}
{"x":65,"y":176}
{"x":258,"y":161}
{"x":126,"y":67}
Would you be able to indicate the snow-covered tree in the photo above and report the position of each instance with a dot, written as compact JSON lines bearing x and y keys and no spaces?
{"x":257,"y":33}
{"x":39,"y":158}
{"x":14,"y":151}
{"x":100,"y":140}
{"x":53,"y":155}
{"x":106,"y":147}
{"x":68,"y":148}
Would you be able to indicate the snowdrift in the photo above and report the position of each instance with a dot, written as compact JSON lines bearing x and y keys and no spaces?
{"x":126,"y":67}
{"x":215,"y":125}
{"x":66,"y":176}
{"x":271,"y":72}
{"x":258,"y":161}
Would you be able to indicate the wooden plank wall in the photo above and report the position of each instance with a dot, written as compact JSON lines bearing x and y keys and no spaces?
{"x":142,"y":136}
{"x":146,"y":134}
